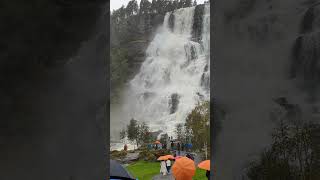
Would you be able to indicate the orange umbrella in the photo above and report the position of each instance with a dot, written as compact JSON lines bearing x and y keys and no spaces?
{"x":204,"y":165}
{"x":162,"y":158}
{"x":183,"y":169}
{"x":157,"y":142}
{"x":178,"y":157}
{"x":169,"y":156}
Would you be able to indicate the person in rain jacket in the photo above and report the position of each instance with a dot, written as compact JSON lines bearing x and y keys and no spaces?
{"x":208,"y":174}
{"x":163,"y":168}
{"x":168,"y":162}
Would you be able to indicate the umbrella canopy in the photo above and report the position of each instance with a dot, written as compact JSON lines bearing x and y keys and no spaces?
{"x":183,"y":169}
{"x":162,"y":158}
{"x":157,"y":142}
{"x":118,"y":172}
{"x":170,"y":157}
{"x":178,"y":157}
{"x":204,"y":165}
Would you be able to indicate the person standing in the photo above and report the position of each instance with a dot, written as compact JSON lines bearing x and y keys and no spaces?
{"x":168,"y":162}
{"x":208,"y":174}
{"x":125,"y":148}
{"x":179,"y":148}
{"x":163,"y":168}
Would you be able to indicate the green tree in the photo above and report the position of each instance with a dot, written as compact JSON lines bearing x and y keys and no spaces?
{"x":181,"y":4}
{"x":198,"y":127}
{"x":292,"y":155}
{"x":145,"y":7}
{"x":133,"y":131}
{"x":132,"y":8}
{"x":154,"y":6}
{"x":176,"y":4}
{"x":144,"y":135}
{"x":188,"y":3}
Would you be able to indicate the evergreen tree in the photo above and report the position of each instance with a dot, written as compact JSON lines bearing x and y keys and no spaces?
{"x":122,"y":13}
{"x":144,"y":135}
{"x":175,"y":4}
{"x":160,"y":5}
{"x":132,"y":8}
{"x":188,"y":3}
{"x":145,"y":7}
{"x":154,"y":6}
{"x":194,"y":2}
{"x":169,"y":6}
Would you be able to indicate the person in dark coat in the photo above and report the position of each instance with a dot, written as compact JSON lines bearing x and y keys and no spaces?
{"x":164,"y":146}
{"x":208,"y":174}
{"x":179,"y":148}
{"x":189,"y":156}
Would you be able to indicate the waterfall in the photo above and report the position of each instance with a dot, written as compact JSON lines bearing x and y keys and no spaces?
{"x":174,"y":76}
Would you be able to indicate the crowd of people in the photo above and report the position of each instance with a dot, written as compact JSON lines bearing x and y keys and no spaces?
{"x":175,"y":148}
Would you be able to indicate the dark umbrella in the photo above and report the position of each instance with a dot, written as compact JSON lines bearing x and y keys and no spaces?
{"x":117,"y":171}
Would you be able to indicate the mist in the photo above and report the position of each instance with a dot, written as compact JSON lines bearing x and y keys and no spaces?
{"x":252,"y":57}
{"x":53,"y":120}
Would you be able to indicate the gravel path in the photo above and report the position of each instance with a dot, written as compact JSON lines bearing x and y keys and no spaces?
{"x":161,"y":177}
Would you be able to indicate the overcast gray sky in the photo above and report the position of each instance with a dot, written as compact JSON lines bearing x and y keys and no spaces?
{"x":116,"y":4}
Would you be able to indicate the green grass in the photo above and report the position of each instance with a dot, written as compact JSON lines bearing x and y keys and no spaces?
{"x":200,"y":175}
{"x":144,"y":170}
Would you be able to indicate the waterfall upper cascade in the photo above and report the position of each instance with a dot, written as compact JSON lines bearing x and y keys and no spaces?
{"x":175,"y":75}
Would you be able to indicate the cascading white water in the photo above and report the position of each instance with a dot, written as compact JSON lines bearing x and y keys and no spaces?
{"x":175,"y":75}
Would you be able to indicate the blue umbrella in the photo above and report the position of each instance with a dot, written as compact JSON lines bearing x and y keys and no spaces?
{"x":118,"y":172}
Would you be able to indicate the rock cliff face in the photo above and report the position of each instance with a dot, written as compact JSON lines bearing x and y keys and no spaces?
{"x":263,"y":49}
{"x":148,"y":25}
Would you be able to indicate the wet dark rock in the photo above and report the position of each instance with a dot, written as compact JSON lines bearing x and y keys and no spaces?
{"x":205,"y":81}
{"x":191,"y":52}
{"x":201,"y":96}
{"x":173,"y":103}
{"x":206,"y":68}
{"x":197,"y":22}
{"x":171,"y":21}
{"x":136,"y":55}
{"x":307,"y":22}
{"x":305,"y":63}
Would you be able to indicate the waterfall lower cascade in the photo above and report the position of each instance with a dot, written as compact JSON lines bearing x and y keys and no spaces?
{"x":175,"y":75}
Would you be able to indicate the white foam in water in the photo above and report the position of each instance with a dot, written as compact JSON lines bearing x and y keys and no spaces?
{"x":169,"y":69}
